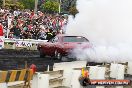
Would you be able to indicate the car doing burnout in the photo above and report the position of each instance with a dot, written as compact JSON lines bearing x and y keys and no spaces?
{"x":62,"y":45}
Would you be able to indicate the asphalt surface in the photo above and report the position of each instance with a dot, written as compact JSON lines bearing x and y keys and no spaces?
{"x":16,"y":59}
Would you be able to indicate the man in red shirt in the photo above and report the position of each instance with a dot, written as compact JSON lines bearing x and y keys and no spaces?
{"x":33,"y":67}
{"x":1,"y":30}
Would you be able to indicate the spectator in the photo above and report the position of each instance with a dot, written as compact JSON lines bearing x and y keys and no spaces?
{"x":1,"y":30}
{"x":28,"y":25}
{"x":42,"y":35}
{"x":34,"y":68}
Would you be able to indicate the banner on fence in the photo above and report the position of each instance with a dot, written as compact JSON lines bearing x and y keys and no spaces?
{"x":1,"y":42}
{"x":23,"y":44}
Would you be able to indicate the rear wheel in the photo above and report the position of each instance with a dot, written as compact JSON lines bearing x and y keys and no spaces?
{"x":58,"y":55}
{"x":41,"y":53}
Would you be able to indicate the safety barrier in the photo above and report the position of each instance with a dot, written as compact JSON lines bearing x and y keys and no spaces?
{"x":16,"y":75}
{"x":21,"y":43}
{"x":49,"y":79}
{"x":26,"y":40}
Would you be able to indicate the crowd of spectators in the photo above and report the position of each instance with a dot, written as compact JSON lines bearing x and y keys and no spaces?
{"x":26,"y":24}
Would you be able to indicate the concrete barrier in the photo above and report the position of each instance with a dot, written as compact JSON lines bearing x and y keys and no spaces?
{"x":40,"y":81}
{"x":3,"y":85}
{"x":117,"y":71}
{"x":55,"y":78}
{"x":129,"y":69}
{"x":74,"y":80}
{"x":49,"y":79}
{"x":97,"y":73}
{"x":68,"y":70}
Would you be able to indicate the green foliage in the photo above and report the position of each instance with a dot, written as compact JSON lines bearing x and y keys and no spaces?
{"x":67,"y":4}
{"x":1,"y":2}
{"x":10,"y":4}
{"x":73,"y":10}
{"x":27,"y":4}
{"x":13,"y":5}
{"x":50,"y":6}
{"x":19,"y":5}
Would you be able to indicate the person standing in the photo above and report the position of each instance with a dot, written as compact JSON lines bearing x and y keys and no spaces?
{"x":33,"y":67}
{"x":1,"y":30}
{"x":1,"y":37}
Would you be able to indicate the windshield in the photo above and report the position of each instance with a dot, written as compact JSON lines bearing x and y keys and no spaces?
{"x":74,"y":39}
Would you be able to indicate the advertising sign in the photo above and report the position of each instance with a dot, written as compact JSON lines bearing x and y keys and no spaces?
{"x":23,"y":44}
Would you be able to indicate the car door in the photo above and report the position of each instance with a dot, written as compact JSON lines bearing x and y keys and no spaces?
{"x":55,"y":42}
{"x":50,"y":46}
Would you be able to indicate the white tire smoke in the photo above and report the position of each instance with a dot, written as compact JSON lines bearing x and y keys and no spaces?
{"x":108,"y":25}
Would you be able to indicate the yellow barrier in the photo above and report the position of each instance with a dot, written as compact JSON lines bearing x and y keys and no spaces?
{"x":16,"y":75}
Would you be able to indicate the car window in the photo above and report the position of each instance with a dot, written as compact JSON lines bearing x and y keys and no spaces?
{"x":74,"y":39}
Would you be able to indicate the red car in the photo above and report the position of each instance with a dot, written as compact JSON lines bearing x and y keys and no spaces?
{"x":61,"y":45}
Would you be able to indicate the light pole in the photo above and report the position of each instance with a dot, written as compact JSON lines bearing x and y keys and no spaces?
{"x":3,"y":3}
{"x":36,"y":5}
{"x":59,"y":6}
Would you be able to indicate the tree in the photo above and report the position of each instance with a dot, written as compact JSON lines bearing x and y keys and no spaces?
{"x":10,"y":4}
{"x":50,"y":6}
{"x":13,"y":4}
{"x":19,"y":5}
{"x":28,"y":4}
{"x":73,"y":10}
{"x":67,"y":4}
{"x":1,"y":2}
